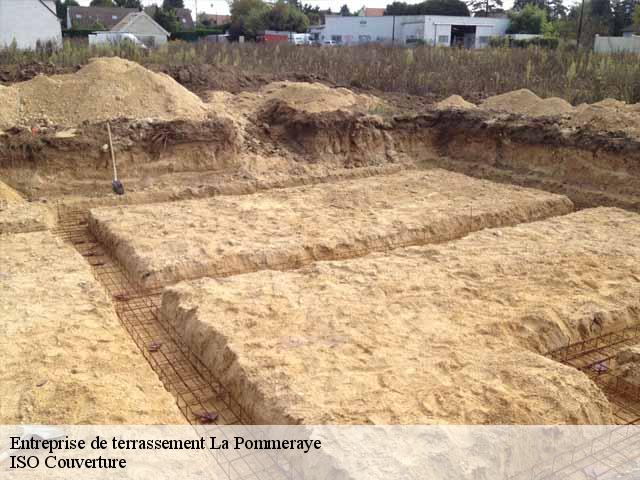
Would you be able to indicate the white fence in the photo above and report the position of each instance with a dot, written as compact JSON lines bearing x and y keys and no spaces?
{"x":617,"y":44}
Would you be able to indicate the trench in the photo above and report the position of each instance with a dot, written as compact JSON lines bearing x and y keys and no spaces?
{"x":201,"y":398}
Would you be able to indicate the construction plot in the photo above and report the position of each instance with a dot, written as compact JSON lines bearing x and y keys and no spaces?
{"x":65,"y":357}
{"x":287,"y":228}
{"x":18,"y":217}
{"x":447,"y":333}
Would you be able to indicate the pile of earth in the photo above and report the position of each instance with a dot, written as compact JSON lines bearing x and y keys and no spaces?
{"x":608,"y":115}
{"x":454,"y":102}
{"x":301,"y":96}
{"x":105,"y":89}
{"x":525,"y":102}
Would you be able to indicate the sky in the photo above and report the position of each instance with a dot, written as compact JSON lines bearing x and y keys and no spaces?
{"x":221,"y":7}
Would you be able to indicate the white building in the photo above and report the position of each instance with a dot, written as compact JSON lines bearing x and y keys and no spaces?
{"x":29,"y":22}
{"x":470,"y":32}
{"x":138,"y":27}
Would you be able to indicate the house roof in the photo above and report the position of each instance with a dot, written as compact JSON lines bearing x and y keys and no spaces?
{"x":182,"y":14}
{"x":132,"y":23}
{"x":373,"y":12}
{"x":217,"y":19}
{"x":49,"y":5}
{"x":87,"y":17}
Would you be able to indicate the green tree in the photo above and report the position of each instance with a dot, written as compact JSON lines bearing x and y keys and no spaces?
{"x":247,"y":17}
{"x":484,"y":8}
{"x":129,"y":4}
{"x":172,"y":4}
{"x":555,"y":8}
{"x":429,"y":7}
{"x":530,"y":19}
{"x":344,"y":11}
{"x":101,"y":3}
{"x":167,"y":19}
{"x":251,"y":17}
{"x":62,"y":6}
{"x":635,"y":18}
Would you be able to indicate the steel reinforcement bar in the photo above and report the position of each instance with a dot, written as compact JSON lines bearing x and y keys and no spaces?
{"x":200,"y":397}
{"x":595,"y":357}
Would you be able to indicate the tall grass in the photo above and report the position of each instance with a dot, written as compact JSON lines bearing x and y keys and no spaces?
{"x":576,"y":76}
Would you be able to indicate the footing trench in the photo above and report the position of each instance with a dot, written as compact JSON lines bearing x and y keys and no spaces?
{"x":200,"y":397}
{"x":594,"y":357}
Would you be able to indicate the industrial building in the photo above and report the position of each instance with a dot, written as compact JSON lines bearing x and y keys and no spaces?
{"x":469,"y":32}
{"x":29,"y":23}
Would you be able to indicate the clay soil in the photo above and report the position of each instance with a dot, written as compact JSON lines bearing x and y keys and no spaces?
{"x":283,"y":229}
{"x":65,"y":357}
{"x":457,"y":325}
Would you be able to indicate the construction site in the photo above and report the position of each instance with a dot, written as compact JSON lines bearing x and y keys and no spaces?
{"x":298,"y":253}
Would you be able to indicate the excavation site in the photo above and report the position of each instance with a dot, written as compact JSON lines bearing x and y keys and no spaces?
{"x":293,"y":252}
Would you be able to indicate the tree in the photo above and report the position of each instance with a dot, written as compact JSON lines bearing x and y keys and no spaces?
{"x":251,"y":17}
{"x":344,"y":11}
{"x":61,"y":8}
{"x":636,"y":18}
{"x":530,"y":19}
{"x":556,"y":9}
{"x":429,"y":7}
{"x":167,"y":19}
{"x":483,"y":8}
{"x":102,"y":3}
{"x":172,"y":4}
{"x":129,"y":4}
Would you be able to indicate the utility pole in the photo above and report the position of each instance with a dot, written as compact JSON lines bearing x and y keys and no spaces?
{"x":580,"y":26}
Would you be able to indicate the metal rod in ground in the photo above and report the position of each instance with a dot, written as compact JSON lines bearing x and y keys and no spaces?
{"x":117,"y":186}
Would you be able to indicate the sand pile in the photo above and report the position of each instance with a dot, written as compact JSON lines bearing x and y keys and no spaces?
{"x":8,"y":107}
{"x":8,"y":194}
{"x":608,"y":115}
{"x":315,"y":97}
{"x":106,"y":88}
{"x":455,"y":101}
{"x":525,"y":102}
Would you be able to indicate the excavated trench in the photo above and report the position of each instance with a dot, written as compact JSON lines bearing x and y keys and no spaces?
{"x":591,"y":168}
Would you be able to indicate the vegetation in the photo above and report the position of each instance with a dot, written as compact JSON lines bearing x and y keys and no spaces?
{"x":251,"y":17}
{"x":429,"y":7}
{"x":577,"y":76}
{"x":484,"y":8}
{"x":531,"y":19}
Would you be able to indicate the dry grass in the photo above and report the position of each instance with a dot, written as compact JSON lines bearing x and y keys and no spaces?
{"x":576,"y":76}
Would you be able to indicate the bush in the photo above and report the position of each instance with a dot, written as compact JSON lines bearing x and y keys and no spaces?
{"x":576,"y":76}
{"x":195,"y":35}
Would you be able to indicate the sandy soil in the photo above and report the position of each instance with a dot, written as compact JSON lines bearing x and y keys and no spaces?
{"x":525,"y":102}
{"x":65,"y":357}
{"x":444,"y":333}
{"x":17,"y":217}
{"x":106,"y":88}
{"x":283,"y":229}
{"x":8,"y":194}
{"x":455,"y":101}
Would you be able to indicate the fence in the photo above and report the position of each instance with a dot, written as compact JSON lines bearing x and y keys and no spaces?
{"x":617,"y":44}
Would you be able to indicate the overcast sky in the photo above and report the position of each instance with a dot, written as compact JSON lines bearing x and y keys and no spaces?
{"x":222,"y":7}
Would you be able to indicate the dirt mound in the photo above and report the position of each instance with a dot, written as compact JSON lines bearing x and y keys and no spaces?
{"x":525,"y":102}
{"x":8,"y":107}
{"x":316,"y":97}
{"x":517,"y":101}
{"x":608,"y":115}
{"x":106,"y":88}
{"x":551,"y":106}
{"x":455,"y":101}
